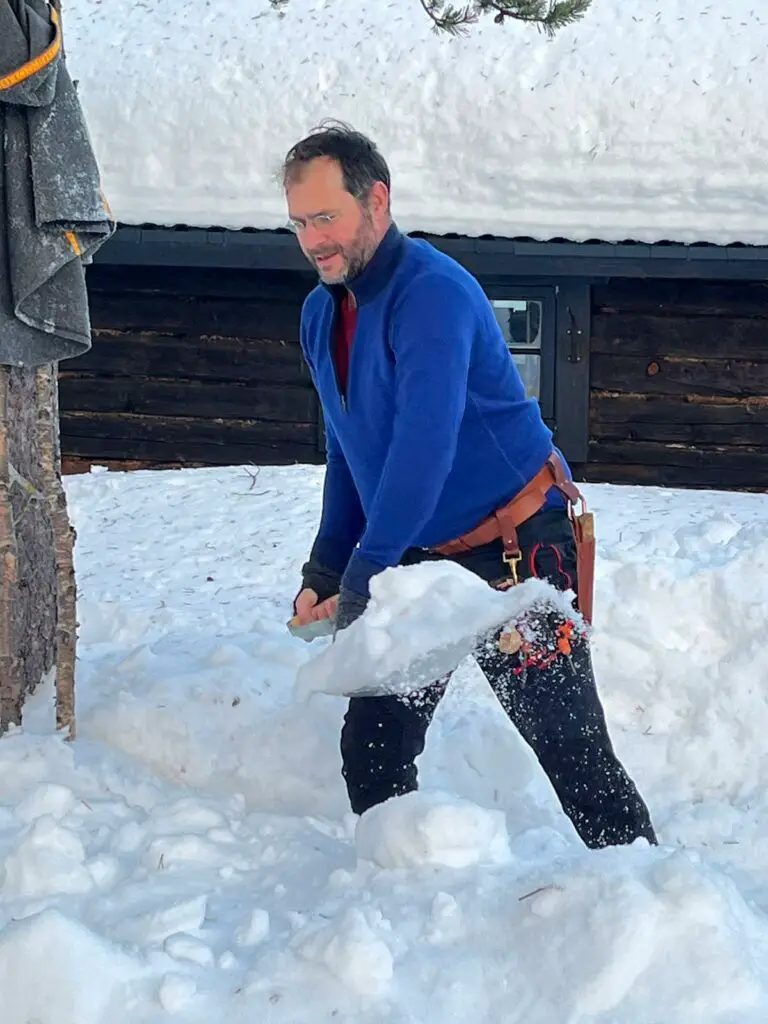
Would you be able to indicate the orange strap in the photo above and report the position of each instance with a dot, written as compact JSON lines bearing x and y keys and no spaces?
{"x":505,"y":521}
{"x":48,"y":56}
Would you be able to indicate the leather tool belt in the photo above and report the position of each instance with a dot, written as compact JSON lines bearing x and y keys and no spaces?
{"x":504,"y":523}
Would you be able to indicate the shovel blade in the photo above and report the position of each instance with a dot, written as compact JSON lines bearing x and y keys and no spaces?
{"x":425,"y":670}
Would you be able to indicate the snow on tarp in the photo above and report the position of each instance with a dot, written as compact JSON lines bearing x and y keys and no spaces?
{"x":646,"y":120}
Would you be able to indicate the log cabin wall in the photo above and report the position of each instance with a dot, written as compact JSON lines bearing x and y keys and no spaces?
{"x":190,"y":366}
{"x":200,"y":364}
{"x":679,"y":383}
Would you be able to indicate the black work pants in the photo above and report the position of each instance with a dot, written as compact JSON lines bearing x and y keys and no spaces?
{"x":547,"y":688}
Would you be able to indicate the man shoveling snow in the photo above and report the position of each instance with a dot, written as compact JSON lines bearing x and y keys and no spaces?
{"x":434,"y":452}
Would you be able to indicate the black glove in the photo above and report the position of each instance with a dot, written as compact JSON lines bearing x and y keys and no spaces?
{"x":324,"y":582}
{"x":350,"y":607}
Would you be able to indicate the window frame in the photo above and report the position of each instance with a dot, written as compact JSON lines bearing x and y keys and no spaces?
{"x":572,"y":369}
{"x":547,"y":296}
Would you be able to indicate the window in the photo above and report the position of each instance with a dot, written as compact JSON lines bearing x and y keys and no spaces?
{"x":527,"y":320}
{"x":520,"y":320}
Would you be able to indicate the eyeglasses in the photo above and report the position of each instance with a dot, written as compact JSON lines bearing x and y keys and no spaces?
{"x":319,"y":222}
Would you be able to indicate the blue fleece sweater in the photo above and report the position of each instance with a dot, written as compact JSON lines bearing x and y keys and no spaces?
{"x":435,"y":430}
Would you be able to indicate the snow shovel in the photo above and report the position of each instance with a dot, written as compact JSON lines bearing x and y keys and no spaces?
{"x":421,"y":623}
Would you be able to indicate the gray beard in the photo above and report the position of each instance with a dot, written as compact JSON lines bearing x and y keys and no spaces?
{"x":361,"y":255}
{"x":357,"y":264}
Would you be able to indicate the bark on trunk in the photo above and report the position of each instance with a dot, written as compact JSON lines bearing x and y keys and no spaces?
{"x":64,"y":547}
{"x":10,"y":684}
{"x":37,"y":589}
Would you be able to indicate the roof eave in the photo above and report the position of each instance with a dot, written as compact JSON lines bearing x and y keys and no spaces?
{"x":487,"y":257}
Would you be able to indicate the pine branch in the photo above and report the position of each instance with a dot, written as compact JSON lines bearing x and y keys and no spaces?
{"x":548,"y":15}
{"x":450,"y":19}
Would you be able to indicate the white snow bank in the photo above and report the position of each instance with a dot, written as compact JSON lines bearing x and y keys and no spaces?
{"x":642,"y":121}
{"x":192,"y":854}
{"x":680,"y":639}
{"x":635,"y":937}
{"x":660,"y":940}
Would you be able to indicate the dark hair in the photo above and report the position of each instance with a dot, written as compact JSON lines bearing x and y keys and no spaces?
{"x":361,"y":163}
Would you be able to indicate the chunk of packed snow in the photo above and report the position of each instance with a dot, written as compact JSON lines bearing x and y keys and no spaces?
{"x":351,"y":950}
{"x":255,"y":929}
{"x":158,"y":924}
{"x":49,"y":800}
{"x":424,"y":828}
{"x":49,"y":859}
{"x":187,"y":947}
{"x":176,"y":992}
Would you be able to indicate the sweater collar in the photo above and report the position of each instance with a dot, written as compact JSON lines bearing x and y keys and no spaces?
{"x":377,"y":273}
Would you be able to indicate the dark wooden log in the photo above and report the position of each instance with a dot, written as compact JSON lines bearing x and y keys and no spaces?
{"x":669,"y":476}
{"x":677,"y":376}
{"x":714,"y":422}
{"x":729,"y":461}
{"x":681,"y":298}
{"x":182,"y":431}
{"x":133,"y":454}
{"x":627,"y":334}
{"x":117,"y":353}
{"x":753,"y":435}
{"x":73,"y":465}
{"x":81,"y":393}
{"x":267,"y":286}
{"x":244,"y":318}
{"x":613,"y":407}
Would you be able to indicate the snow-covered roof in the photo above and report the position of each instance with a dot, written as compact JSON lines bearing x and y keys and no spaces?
{"x":646,"y":120}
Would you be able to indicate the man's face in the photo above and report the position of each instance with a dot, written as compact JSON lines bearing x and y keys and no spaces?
{"x":337,"y":233}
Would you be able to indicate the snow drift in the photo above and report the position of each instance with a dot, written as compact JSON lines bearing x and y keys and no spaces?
{"x":192,"y":856}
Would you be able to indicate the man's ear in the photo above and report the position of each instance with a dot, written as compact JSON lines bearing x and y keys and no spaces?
{"x":378,"y":199}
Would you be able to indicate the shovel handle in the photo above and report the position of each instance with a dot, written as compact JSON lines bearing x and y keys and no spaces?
{"x":310,"y":630}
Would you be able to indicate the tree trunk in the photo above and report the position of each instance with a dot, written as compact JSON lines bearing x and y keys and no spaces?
{"x":37,"y":591}
{"x":10,"y":679}
{"x":64,"y":547}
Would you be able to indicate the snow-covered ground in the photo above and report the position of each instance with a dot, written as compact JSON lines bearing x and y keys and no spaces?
{"x":191,"y":855}
{"x":645,"y":120}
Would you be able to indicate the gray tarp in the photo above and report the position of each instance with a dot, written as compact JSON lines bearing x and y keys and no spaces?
{"x":53,"y":215}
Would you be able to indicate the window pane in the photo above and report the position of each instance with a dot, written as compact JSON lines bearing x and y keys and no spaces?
{"x":521,"y":324}
{"x":529,"y":365}
{"x":520,"y":321}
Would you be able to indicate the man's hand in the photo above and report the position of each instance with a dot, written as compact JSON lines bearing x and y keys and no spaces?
{"x":308,"y":609}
